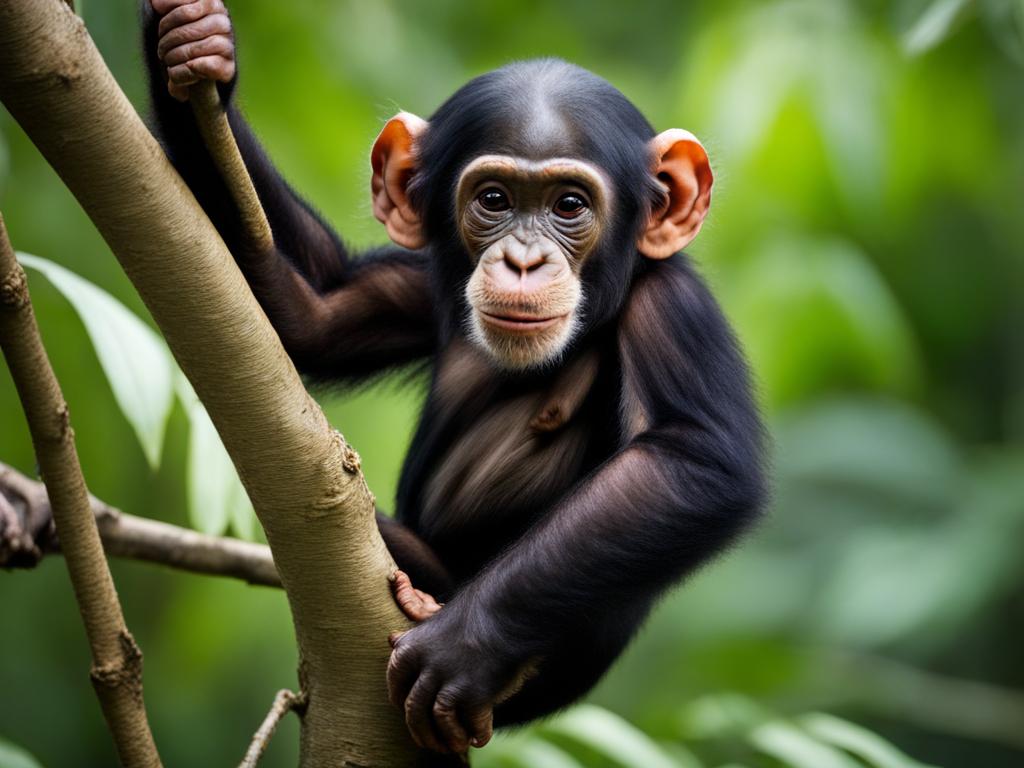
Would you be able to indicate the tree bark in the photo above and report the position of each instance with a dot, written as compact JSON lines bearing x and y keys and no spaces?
{"x":29,"y":535}
{"x":116,"y":659}
{"x":301,"y":476}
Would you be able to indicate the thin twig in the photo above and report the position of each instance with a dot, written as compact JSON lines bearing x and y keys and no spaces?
{"x":284,"y":702}
{"x":116,"y":659}
{"x":27,"y":534}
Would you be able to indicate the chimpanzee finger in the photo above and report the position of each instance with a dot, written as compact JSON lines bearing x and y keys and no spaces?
{"x":414,"y":603}
{"x":179,"y":92}
{"x":166,"y":6}
{"x":430,"y":605}
{"x":419,"y":715}
{"x":205,"y":68}
{"x":402,"y":673}
{"x":218,"y":45}
{"x":188,"y":12}
{"x":446,"y":720}
{"x":216,"y":24}
{"x":394,"y":637}
{"x":481,"y":724}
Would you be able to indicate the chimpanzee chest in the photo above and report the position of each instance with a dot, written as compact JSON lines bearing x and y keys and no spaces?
{"x":504,"y":453}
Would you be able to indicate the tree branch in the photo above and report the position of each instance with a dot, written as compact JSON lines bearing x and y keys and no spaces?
{"x":284,"y":702}
{"x":223,"y":149}
{"x":303,"y":479}
{"x":116,"y":659}
{"x":27,"y":534}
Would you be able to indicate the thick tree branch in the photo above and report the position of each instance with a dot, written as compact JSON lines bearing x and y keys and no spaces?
{"x":116,"y":659}
{"x":301,"y":476}
{"x":27,"y":534}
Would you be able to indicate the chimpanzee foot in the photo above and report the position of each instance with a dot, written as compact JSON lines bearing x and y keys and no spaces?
{"x":416,"y":604}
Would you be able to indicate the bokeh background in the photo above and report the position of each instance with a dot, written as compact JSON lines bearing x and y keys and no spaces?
{"x":867,"y":240}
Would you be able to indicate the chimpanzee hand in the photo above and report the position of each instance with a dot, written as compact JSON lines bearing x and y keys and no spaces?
{"x":449,"y":683}
{"x":196,"y":43}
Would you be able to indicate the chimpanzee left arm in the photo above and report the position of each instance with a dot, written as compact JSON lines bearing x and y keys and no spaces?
{"x":575,"y":587}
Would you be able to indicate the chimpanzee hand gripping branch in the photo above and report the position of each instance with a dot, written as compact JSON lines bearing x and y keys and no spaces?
{"x":589,"y":435}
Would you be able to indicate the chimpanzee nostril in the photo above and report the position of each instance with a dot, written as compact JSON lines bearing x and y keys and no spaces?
{"x":524,"y":260}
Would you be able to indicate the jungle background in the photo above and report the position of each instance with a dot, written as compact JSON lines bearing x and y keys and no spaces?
{"x":867,"y":240}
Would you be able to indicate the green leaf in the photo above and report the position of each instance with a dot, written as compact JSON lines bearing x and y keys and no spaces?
{"x":241,"y":515}
{"x":858,"y":740}
{"x":1005,"y":22}
{"x":12,"y":756}
{"x":612,"y":737}
{"x":797,"y":749}
{"x":134,"y":358}
{"x":216,"y":496}
{"x":720,"y":716}
{"x":934,"y":25}
{"x":524,"y":751}
{"x":209,"y":475}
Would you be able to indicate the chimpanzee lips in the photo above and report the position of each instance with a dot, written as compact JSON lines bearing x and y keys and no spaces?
{"x":521,"y":322}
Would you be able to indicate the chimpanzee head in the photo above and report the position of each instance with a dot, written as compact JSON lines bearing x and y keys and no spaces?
{"x":538,"y":187}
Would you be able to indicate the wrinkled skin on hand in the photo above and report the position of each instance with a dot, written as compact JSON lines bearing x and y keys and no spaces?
{"x":438,"y":673}
{"x":196,"y":43}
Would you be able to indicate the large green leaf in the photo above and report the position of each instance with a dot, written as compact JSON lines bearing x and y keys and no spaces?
{"x":134,"y":358}
{"x":934,"y":25}
{"x":608,"y":734}
{"x":798,"y":749}
{"x":12,"y":756}
{"x":216,"y":498}
{"x":865,"y":744}
{"x":524,"y":750}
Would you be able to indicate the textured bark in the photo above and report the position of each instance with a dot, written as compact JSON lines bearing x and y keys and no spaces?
{"x":302,"y":477}
{"x":220,"y":142}
{"x":27,"y":534}
{"x":116,"y":659}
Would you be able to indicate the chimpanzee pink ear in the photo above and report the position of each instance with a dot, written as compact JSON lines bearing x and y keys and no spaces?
{"x":681,"y":166}
{"x":393,"y":160}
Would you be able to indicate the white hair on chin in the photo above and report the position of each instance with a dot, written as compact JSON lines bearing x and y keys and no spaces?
{"x":523,"y":353}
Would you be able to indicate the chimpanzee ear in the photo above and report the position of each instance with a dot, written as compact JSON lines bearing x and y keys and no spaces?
{"x":681,"y":166}
{"x":393,"y":160}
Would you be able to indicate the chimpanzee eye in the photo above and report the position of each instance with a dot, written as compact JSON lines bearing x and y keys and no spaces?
{"x":493,"y":199}
{"x":570,"y":206}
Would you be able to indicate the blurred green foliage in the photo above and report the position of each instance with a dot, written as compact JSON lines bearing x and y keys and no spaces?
{"x":867,"y":240}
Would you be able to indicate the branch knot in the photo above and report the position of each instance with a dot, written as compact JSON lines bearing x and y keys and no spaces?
{"x":14,"y":289}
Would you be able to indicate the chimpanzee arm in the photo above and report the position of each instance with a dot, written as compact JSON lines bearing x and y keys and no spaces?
{"x":564,"y":600}
{"x":337,"y":318}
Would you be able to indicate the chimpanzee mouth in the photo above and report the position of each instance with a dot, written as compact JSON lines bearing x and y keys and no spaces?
{"x":520,"y":322}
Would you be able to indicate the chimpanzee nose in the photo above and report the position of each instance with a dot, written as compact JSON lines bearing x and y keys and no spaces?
{"x":522,"y":259}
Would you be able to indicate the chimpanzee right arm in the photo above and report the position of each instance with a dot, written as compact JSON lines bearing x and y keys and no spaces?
{"x":339,"y":319}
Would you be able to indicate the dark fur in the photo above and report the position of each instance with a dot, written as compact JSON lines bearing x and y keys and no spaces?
{"x":556,"y":549}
